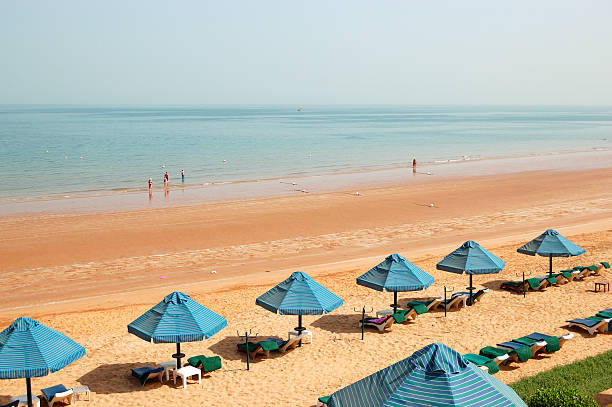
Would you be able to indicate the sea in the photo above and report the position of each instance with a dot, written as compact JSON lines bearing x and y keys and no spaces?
{"x":65,"y":151}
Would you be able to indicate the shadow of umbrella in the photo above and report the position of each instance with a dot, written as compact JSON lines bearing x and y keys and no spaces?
{"x":226,"y":348}
{"x":117,"y":378}
{"x":339,"y":323}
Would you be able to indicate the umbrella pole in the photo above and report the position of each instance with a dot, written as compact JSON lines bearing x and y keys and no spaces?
{"x":394,"y":305}
{"x":550,"y":266}
{"x":178,"y":355}
{"x":470,"y":289}
{"x":300,"y":328}
{"x":29,"y":390}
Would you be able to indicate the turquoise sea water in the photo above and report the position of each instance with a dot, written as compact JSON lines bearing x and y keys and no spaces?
{"x":68,"y":150}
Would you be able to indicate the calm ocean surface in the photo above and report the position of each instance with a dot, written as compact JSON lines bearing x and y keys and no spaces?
{"x":68,"y":150}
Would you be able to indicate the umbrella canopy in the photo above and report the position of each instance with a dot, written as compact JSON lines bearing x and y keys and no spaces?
{"x":299,"y":295}
{"x":433,"y":376}
{"x":551,"y":244}
{"x":30,"y":349}
{"x":395,"y":273}
{"x":177,"y":318}
{"x":473,"y":259}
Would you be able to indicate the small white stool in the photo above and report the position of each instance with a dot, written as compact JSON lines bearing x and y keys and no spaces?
{"x":23,"y":400}
{"x":304,"y":332}
{"x":186,"y":372}
{"x":81,"y":390}
{"x":168,"y":366}
{"x":384,"y":312}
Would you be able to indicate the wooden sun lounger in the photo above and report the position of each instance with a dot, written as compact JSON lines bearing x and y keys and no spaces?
{"x":518,"y":287}
{"x":591,"y":326}
{"x":456,"y":303}
{"x":535,"y":348}
{"x":382,"y":326}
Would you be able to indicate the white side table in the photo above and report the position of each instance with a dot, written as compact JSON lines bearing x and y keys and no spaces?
{"x":186,"y":372}
{"x":81,"y":390}
{"x":384,"y":312}
{"x":304,"y":332}
{"x":168,"y":366}
{"x":23,"y":400}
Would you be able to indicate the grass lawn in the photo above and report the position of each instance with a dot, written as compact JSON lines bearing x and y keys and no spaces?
{"x":589,"y":376}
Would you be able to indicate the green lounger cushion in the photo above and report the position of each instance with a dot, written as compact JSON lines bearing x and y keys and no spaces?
{"x":482,"y":361}
{"x":513,"y":283}
{"x":566,"y":274}
{"x":605,"y":264}
{"x":551,"y":280}
{"x":592,"y":267}
{"x":324,"y":400}
{"x":534,"y":283}
{"x":524,"y":353}
{"x":567,"y":271}
{"x":399,"y":317}
{"x":604,"y":314}
{"x":492,"y":352}
{"x":525,"y":341}
{"x":268,"y":345}
{"x":578,"y":268}
{"x":250,"y":345}
{"x":420,"y":308}
{"x":552,"y":344}
{"x":207,"y":364}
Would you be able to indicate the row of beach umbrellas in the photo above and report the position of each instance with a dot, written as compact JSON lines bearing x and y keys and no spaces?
{"x":29,"y":349}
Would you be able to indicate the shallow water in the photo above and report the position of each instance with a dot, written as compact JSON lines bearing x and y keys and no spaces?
{"x":90,"y":150}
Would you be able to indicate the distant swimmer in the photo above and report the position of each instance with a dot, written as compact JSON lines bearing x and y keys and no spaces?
{"x":183,"y":175}
{"x":150,"y":185}
{"x":413,"y":162}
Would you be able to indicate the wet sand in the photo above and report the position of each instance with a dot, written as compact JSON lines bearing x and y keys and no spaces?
{"x":90,"y":274}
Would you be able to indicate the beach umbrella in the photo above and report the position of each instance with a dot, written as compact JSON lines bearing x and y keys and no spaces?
{"x":395,"y":274}
{"x":299,"y":295}
{"x":176,"y":319}
{"x":433,"y":376}
{"x":473,"y":259}
{"x":30,"y":349}
{"x":551,"y":244}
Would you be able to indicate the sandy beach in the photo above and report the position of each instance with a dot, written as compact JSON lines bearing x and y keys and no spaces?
{"x":90,"y":274}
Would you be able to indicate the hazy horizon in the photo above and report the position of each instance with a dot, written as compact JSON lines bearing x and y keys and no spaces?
{"x":153,"y":53}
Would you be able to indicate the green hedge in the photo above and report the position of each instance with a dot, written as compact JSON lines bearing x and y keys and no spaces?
{"x":587,"y":376}
{"x":559,"y":397}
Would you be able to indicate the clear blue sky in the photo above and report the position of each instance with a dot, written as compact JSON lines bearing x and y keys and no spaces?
{"x":306,"y":52}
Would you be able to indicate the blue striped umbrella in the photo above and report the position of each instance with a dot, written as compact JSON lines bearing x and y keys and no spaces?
{"x":395,"y":273}
{"x":551,"y":244}
{"x":433,"y":376}
{"x":177,"y":318}
{"x":473,"y":259}
{"x":299,"y":295}
{"x":30,"y":349}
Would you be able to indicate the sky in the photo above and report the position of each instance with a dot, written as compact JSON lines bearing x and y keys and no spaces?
{"x":306,"y":52}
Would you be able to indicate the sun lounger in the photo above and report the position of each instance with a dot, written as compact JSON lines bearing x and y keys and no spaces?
{"x":206,"y":364}
{"x":422,"y":307}
{"x":581,"y":273}
{"x":477,"y":296}
{"x":531,"y":284}
{"x":535,"y":347}
{"x":57,"y":394}
{"x":591,"y":324}
{"x":382,"y":324}
{"x":564,"y":276}
{"x":322,"y":401}
{"x":23,"y":400}
{"x":259,"y":348}
{"x":551,"y":343}
{"x":290,"y":344}
{"x":148,"y":373}
{"x":552,"y":281}
{"x":543,"y":337}
{"x":456,"y":302}
{"x":491,"y":364}
{"x":519,"y":355}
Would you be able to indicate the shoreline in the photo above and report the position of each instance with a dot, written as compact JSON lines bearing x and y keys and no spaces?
{"x":178,"y":195}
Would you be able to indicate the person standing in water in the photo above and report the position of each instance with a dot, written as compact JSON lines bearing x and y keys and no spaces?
{"x":166,"y":180}
{"x":183,"y":175}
